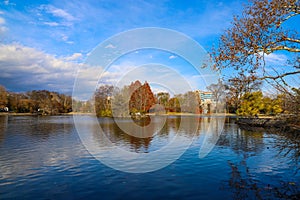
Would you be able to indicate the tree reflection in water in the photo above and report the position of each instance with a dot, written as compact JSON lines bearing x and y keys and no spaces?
{"x":3,"y":126}
{"x":289,"y":146}
{"x":248,"y":143}
{"x":163,"y":134}
{"x":158,"y":135}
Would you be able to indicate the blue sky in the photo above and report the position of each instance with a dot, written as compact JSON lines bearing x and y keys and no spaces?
{"x":44,"y":43}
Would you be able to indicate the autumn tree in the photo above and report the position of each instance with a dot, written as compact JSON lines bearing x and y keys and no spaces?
{"x":251,"y":104}
{"x":134,"y":86}
{"x":141,"y":99}
{"x":174,"y":103}
{"x":65,"y":102}
{"x":42,"y":99}
{"x":163,"y":99}
{"x":254,"y":103}
{"x":272,"y":106}
{"x":188,"y":102}
{"x":13,"y":102}
{"x":3,"y":97}
{"x":103,"y":100}
{"x":19,"y":102}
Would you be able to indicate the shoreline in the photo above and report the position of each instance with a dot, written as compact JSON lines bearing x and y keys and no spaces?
{"x":148,"y":114}
{"x":262,"y":122}
{"x":280,"y":124}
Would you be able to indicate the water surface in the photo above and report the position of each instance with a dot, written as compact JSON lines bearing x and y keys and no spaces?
{"x":42,"y":157}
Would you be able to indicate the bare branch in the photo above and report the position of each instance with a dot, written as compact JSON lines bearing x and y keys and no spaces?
{"x":280,"y":76}
{"x":285,"y":48}
{"x":291,"y":39}
{"x":287,"y":18}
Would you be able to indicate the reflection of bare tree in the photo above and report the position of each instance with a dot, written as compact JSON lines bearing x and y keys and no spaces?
{"x":242,"y":140}
{"x":289,"y":146}
{"x":246,"y":143}
{"x":244,"y":186}
{"x":288,"y":143}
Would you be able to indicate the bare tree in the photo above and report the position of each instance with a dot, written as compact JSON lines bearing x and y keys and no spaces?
{"x":257,"y":33}
{"x":237,"y":87}
{"x":218,"y":93}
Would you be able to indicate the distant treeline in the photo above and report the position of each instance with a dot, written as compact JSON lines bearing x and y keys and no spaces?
{"x":137,"y":99}
{"x":107,"y":101}
{"x":36,"y":101}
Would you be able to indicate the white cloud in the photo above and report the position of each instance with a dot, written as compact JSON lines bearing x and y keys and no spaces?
{"x":276,"y":58}
{"x":172,"y":57}
{"x":75,"y":56}
{"x":26,"y":68}
{"x":51,"y":23}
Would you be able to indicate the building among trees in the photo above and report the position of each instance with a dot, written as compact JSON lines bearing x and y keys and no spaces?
{"x":208,"y":103}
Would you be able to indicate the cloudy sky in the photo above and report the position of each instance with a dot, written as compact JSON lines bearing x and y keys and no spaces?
{"x":43,"y":44}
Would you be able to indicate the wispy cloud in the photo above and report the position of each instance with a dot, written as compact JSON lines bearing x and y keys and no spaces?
{"x":172,"y":57}
{"x":57,"y":12}
{"x":7,"y":3}
{"x":53,"y":16}
{"x":51,"y":23}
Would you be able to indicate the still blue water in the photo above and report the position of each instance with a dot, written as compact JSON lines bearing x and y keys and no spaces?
{"x":44,"y":158}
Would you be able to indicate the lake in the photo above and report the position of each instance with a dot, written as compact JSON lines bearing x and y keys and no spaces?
{"x":51,"y":157}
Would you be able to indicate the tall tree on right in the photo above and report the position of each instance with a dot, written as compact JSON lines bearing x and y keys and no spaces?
{"x":258,"y":34}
